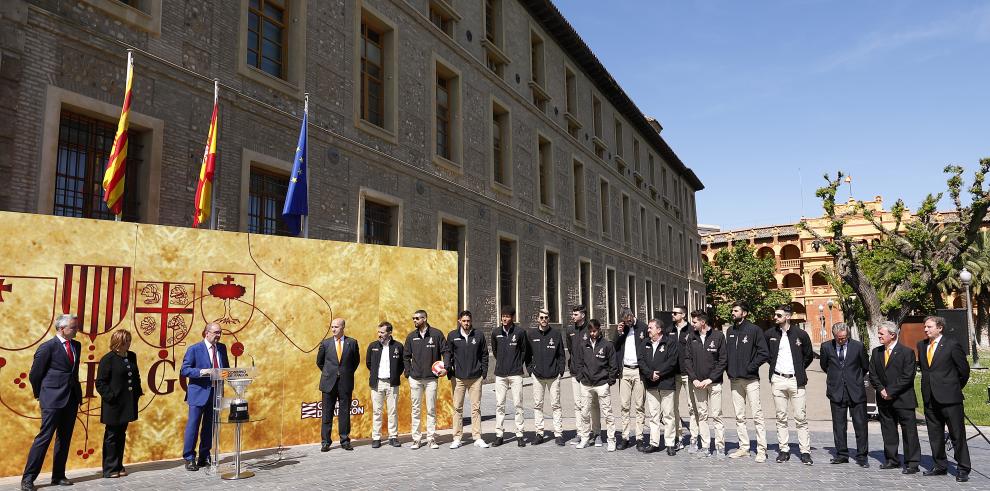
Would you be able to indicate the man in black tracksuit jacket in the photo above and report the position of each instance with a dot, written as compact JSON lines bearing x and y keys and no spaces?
{"x":547,"y":367}
{"x":788,"y":379}
{"x":630,"y":335}
{"x":385,"y":392}
{"x":424,"y":346}
{"x":575,"y":334}
{"x":681,"y":328}
{"x":467,"y":366}
{"x":658,"y":366}
{"x":511,"y":350}
{"x":747,"y":351}
{"x":704,"y":360}
{"x":597,"y":372}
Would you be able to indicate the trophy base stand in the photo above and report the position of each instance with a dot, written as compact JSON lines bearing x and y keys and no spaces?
{"x":230,"y":476}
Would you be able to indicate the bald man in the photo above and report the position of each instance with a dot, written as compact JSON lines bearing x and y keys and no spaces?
{"x":337,"y":359}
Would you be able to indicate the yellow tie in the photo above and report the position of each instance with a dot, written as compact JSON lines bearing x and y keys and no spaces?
{"x":931,"y":351}
{"x":886,"y":356}
{"x":339,"y":349}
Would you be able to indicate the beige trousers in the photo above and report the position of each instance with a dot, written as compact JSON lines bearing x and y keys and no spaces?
{"x":785,"y":390}
{"x":660,"y":410}
{"x":540,"y":388}
{"x":708,"y":403}
{"x":684,"y":389}
{"x":417,"y":389}
{"x":596,"y":422}
{"x":473,"y":388}
{"x":388,"y":395}
{"x":631,"y":399}
{"x":747,"y":392}
{"x":603,"y":395}
{"x":502,"y":386}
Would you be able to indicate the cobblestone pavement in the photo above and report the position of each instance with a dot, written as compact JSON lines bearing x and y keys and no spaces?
{"x":548,"y":466}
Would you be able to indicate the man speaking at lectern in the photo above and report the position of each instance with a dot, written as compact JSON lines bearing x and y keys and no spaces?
{"x":200,"y":358}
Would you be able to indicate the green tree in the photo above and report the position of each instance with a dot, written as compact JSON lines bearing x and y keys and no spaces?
{"x":977,"y":261}
{"x":926,"y":247}
{"x":737,"y":274}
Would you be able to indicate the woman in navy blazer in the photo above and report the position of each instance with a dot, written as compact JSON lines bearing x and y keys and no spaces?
{"x":118,"y":380}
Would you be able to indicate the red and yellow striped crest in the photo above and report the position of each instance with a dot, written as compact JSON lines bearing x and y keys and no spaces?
{"x":113,"y":177}
{"x":204,"y":188}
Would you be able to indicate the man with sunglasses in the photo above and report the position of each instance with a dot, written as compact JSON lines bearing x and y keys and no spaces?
{"x":682,"y":329}
{"x":790,"y":354}
{"x":547,"y":367}
{"x":424,"y":346}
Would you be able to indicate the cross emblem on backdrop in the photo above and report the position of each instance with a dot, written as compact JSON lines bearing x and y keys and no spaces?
{"x":5,"y":288}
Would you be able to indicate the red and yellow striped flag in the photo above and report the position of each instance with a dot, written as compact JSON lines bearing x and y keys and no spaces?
{"x":113,"y":177}
{"x":204,"y":189}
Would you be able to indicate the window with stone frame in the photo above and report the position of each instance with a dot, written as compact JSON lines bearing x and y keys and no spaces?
{"x":267,"y":30}
{"x":266,"y":198}
{"x":372,"y":75}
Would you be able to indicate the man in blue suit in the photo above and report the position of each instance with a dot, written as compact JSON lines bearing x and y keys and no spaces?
{"x":200,"y":358}
{"x":55,"y":382}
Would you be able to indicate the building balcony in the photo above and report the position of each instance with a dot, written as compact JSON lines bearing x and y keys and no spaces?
{"x":789,"y":264}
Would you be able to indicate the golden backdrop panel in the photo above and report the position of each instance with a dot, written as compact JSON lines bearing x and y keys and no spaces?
{"x":274,"y":297}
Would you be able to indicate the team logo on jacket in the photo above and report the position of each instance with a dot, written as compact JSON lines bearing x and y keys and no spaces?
{"x":396,"y":351}
{"x":513,"y":338}
{"x":797,"y":342}
{"x":550,"y":344}
{"x":662,"y":348}
{"x":601,"y":351}
{"x":712,"y":345}
{"x":474,"y":341}
{"x":429,"y":341}
{"x":773,"y":339}
{"x":642,"y":335}
{"x":745,"y":339}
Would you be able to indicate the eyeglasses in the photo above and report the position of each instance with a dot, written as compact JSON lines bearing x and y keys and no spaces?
{"x":544,"y":317}
{"x":417,"y":318}
{"x":214,"y":332}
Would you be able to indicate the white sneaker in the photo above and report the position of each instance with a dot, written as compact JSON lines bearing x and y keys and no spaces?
{"x":740,"y":452}
{"x":455,"y":444}
{"x":761,"y":457}
{"x":481,"y":443}
{"x":583,"y":443}
{"x":415,"y":444}
{"x":598,"y":441}
{"x":574,"y":442}
{"x":611,"y":445}
{"x":433,"y":444}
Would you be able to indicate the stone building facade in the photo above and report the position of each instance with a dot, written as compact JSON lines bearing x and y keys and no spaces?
{"x":483,"y":126}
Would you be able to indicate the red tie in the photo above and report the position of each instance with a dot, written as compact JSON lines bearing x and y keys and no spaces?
{"x":68,"y":350}
{"x":213,"y":350}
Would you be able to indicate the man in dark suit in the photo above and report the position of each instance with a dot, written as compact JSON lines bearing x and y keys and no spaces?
{"x":892,"y":375}
{"x":197,"y":363}
{"x":337,"y":359}
{"x":55,"y":382}
{"x":944,"y":373}
{"x":845,"y":365}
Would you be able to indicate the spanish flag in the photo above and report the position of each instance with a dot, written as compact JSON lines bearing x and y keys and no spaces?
{"x":113,"y":177}
{"x":204,"y":189}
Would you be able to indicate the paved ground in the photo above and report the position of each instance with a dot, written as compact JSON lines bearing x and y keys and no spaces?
{"x":548,"y":466}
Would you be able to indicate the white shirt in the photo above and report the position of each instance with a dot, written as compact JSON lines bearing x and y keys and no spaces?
{"x":209,"y":351}
{"x":934,"y":344}
{"x":656,"y":344}
{"x":384,"y":367}
{"x":629,"y":349}
{"x":75,"y":356}
{"x":785,"y":364}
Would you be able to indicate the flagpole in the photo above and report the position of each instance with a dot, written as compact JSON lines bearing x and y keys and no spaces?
{"x":305,"y":218}
{"x":216,"y":168}
{"x":130,"y":66}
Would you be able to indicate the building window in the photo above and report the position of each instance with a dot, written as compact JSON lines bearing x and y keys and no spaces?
{"x":636,"y":155}
{"x":551,"y":294}
{"x":443,"y":117}
{"x":653,"y":174}
{"x":663,"y":181}
{"x":598,"y":139}
{"x":633,"y":295}
{"x":603,"y":194}
{"x":378,"y":224}
{"x":537,"y":83}
{"x":670,"y":244}
{"x":610,"y":295}
{"x":657,"y":237}
{"x":495,"y":58}
{"x":501,"y":141}
{"x":266,"y":36}
{"x":266,"y":197}
{"x":579,"y":194}
{"x":443,"y":16}
{"x":372,"y":75}
{"x":663,"y":297}
{"x":618,"y":139}
{"x":650,"y":312}
{"x":506,"y":273}
{"x":626,"y":220}
{"x":453,"y":238}
{"x":584,"y":288}
{"x":492,"y":20}
{"x":84,"y":145}
{"x":546,"y":173}
{"x":642,"y":230}
{"x":570,"y":103}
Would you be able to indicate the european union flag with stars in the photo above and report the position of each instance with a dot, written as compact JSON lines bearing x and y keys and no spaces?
{"x":297,"y":199}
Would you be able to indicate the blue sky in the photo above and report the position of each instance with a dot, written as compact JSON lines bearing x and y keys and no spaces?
{"x":749,"y":92}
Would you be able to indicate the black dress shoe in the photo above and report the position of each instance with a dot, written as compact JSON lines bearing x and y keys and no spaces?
{"x":61,"y":482}
{"x":498,"y":441}
{"x":783,"y":456}
{"x":863,"y":463}
{"x":651,"y":449}
{"x":671,"y":452}
{"x":559,"y":441}
{"x":521,"y":441}
{"x":962,"y":477}
{"x":910,"y":470}
{"x":376,"y":443}
{"x":27,"y":486}
{"x":346,"y":446}
{"x":937,"y":471}
{"x":642,"y":445}
{"x":325,"y":447}
{"x":203,"y":463}
{"x":839,"y":460}
{"x":394,"y":442}
{"x":889,"y":465}
{"x":191,"y":466}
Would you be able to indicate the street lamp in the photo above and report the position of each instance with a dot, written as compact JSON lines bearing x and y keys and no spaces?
{"x":966,"y":278}
{"x":830,"y":304}
{"x":821,"y":318}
